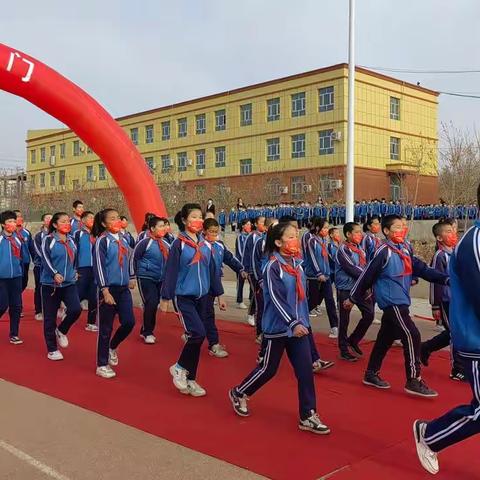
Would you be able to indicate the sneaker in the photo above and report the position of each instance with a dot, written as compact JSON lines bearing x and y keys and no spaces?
{"x":194,"y":389}
{"x":91,"y":327}
{"x":61,"y":338}
{"x":55,"y":356}
{"x":428,"y":458}
{"x":149,"y":339}
{"x":376,"y":321}
{"x":84,"y":305}
{"x":105,"y":372}
{"x":16,"y":341}
{"x":416,"y":386}
{"x":424,"y":355}
{"x":184,"y":337}
{"x":258,"y":339}
{"x":179,"y":377}
{"x":251,"y":320}
{"x":373,"y":379}
{"x":218,"y":351}
{"x":356,"y":349}
{"x":397,"y":343}
{"x":458,"y":376}
{"x":313,"y":424}
{"x":333,"y":333}
{"x":439,"y":328}
{"x":313,"y":314}
{"x":22,"y":315}
{"x":241,"y":306}
{"x":239,"y":403}
{"x":348,"y":357}
{"x":320,"y":365}
{"x":112,"y":357}
{"x":39,"y":317}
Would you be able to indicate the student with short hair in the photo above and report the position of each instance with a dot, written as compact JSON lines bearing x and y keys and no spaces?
{"x":76,"y":220}
{"x":37,"y":264}
{"x":244,"y":230}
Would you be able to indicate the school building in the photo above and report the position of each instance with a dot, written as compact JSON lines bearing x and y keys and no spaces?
{"x":276,"y":141}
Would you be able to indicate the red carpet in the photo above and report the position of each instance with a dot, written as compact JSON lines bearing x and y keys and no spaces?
{"x":371,"y":430}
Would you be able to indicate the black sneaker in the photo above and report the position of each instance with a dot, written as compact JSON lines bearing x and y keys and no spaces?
{"x":239,"y":403}
{"x":458,"y":376}
{"x":348,"y":357}
{"x":16,"y":341}
{"x":356,"y":349}
{"x":313,"y":424}
{"x":373,"y":379}
{"x":416,"y":386}
{"x":424,"y":355}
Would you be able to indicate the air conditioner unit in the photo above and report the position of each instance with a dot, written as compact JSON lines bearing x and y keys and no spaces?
{"x":189,"y":162}
{"x":336,"y":184}
{"x":283,"y":190}
{"x":200,"y":172}
{"x":307,"y":188}
{"x":53,"y":160}
{"x":337,"y":136}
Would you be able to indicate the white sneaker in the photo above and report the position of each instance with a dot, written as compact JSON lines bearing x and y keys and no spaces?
{"x":84,"y":305}
{"x":241,"y":306}
{"x":218,"y":351}
{"x":39,"y":317}
{"x":105,"y":372}
{"x":333,"y":333}
{"x":61,"y":338}
{"x":184,"y":337}
{"x":179,"y":377}
{"x":112,"y":357}
{"x":149,"y":339}
{"x":251,"y":320}
{"x":439,"y":328}
{"x":91,"y":327}
{"x":55,"y":356}
{"x":376,"y":321}
{"x":313,"y":313}
{"x":428,"y":458}
{"x":397,"y":343}
{"x":194,"y":389}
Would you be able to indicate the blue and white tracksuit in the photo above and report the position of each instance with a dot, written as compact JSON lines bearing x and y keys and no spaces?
{"x":28,"y":252}
{"x":113,"y":272}
{"x":129,"y":238}
{"x":247,"y":260}
{"x":464,"y":268}
{"x":259,"y":260}
{"x":76,"y":224}
{"x":37,"y":267}
{"x":240,"y":243}
{"x":370,"y":244}
{"x":56,"y":260}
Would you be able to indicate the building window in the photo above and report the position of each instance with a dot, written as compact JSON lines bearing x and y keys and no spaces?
{"x":395,"y":187}
{"x":220,"y":157}
{"x":149,"y":134}
{"x":298,"y":104}
{"x":102,"y":172}
{"x":61,"y":177}
{"x":246,"y":166}
{"x":298,"y":145}
{"x":246,"y":114}
{"x":33,"y":156}
{"x":32,"y":181}
{"x":182,"y":127}
{"x":325,"y":142}
{"x":394,"y":148}
{"x":90,"y":177}
{"x":62,"y":150}
{"x":166,"y":165}
{"x":53,"y":149}
{"x":166,"y":130}
{"x":43,"y":154}
{"x":150,"y":163}
{"x":200,"y":159}
{"x":325,"y":184}
{"x":182,"y":161}
{"x":200,"y":124}
{"x":42,"y":180}
{"x":297,"y":187}
{"x":76,"y":148}
{"x":273,"y":109}
{"x":52,"y":179}
{"x":134,"y":135}
{"x":325,"y":99}
{"x":220,"y":120}
{"x":273,"y":149}
{"x":394,"y":108}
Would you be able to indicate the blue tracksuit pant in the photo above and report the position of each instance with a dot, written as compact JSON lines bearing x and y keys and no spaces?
{"x":211,"y":330}
{"x":87,"y":290}
{"x":150,"y":293}
{"x":11,"y":299}
{"x":319,"y":291}
{"x":37,"y":297}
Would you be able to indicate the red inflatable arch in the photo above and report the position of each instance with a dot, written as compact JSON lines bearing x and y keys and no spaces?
{"x":28,"y":78}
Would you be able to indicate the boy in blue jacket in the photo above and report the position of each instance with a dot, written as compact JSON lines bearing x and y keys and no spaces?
{"x":244,"y":230}
{"x":37,"y":264}
{"x":462,"y":421}
{"x":28,"y":250}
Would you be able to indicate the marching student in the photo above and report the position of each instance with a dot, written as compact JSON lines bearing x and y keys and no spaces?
{"x":351,"y":260}
{"x":144,"y":231}
{"x":189,"y":278}
{"x":390,"y":273}
{"x":232,"y":219}
{"x":76,"y":220}
{"x":370,"y":241}
{"x":446,"y":239}
{"x":114,"y":277}
{"x":285,"y":328}
{"x":169,"y":236}
{"x":128,"y":236}
{"x":11,"y":274}
{"x":86,"y":286}
{"x":28,"y":250}
{"x":222,"y":219}
{"x":332,"y":247}
{"x":463,"y":421}
{"x":149,"y":260}
{"x":245,"y":228}
{"x":221,"y":255}
{"x":37,"y":264}
{"x":58,"y":278}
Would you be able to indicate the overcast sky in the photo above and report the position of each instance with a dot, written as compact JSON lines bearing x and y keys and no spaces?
{"x":137,"y":55}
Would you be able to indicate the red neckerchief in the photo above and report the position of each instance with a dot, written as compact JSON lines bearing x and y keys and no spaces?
{"x":361,"y":254}
{"x":14,"y":245}
{"x":324,"y":248}
{"x":122,"y":251}
{"x":376,"y":240}
{"x":196,"y":246}
{"x":161,"y":246}
{"x":406,"y":259}
{"x":20,"y":235}
{"x":297,"y":273}
{"x":68,"y":248}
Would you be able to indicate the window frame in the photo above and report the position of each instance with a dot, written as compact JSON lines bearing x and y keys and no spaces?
{"x":323,"y":135}
{"x":295,"y":98}
{"x":272,"y":157}
{"x":324,"y":96}
{"x":295,"y":140}
{"x":223,"y":163}
{"x":220,"y":127}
